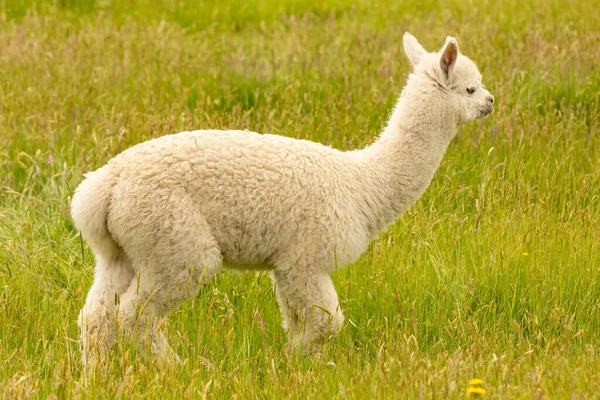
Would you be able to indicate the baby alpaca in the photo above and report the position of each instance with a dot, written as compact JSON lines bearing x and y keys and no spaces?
{"x":164,"y":216}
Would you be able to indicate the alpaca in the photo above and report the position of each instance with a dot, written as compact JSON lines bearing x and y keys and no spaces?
{"x":166,"y":215}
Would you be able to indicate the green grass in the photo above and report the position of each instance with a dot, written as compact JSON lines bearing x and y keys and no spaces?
{"x":493,"y":274}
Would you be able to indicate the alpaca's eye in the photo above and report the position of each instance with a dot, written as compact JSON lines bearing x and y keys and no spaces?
{"x":470,"y":90}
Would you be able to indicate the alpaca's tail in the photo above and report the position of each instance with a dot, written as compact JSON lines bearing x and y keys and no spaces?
{"x":89,"y":208}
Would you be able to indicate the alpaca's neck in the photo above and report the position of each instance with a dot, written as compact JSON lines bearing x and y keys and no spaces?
{"x":402,"y":162}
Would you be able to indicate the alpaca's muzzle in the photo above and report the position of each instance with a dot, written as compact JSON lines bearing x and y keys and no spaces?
{"x":486,"y":110}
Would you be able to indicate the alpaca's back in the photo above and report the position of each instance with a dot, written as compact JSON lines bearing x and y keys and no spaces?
{"x":256,"y":192}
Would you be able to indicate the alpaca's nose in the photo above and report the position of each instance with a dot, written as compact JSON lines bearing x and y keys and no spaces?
{"x":490,"y":99}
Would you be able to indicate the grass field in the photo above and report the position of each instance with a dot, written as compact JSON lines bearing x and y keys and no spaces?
{"x":493,"y":274}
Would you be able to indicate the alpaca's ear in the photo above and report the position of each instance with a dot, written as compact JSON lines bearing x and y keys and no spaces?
{"x":414,"y":51}
{"x":449,"y":56}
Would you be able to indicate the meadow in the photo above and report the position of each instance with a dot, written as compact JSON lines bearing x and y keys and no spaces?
{"x":494,"y":274}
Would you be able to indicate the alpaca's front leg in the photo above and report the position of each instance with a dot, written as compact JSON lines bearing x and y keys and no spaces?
{"x":310,"y":307}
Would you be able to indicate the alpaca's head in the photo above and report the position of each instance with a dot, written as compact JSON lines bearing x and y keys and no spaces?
{"x":455,"y":76}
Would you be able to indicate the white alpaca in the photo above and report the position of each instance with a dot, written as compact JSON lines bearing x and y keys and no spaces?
{"x":164,"y":216}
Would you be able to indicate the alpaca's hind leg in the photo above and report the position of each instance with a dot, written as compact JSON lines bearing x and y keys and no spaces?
{"x":151,"y":297}
{"x":310,"y":307}
{"x":182,"y":258}
{"x":96,"y":321}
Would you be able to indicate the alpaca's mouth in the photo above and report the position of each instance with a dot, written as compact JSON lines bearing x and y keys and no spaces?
{"x":485,"y":111}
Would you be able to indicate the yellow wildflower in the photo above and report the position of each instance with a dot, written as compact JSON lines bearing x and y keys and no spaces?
{"x":476,"y":390}
{"x":476,"y":387}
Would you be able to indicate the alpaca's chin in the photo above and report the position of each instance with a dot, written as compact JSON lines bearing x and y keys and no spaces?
{"x":485,"y":111}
